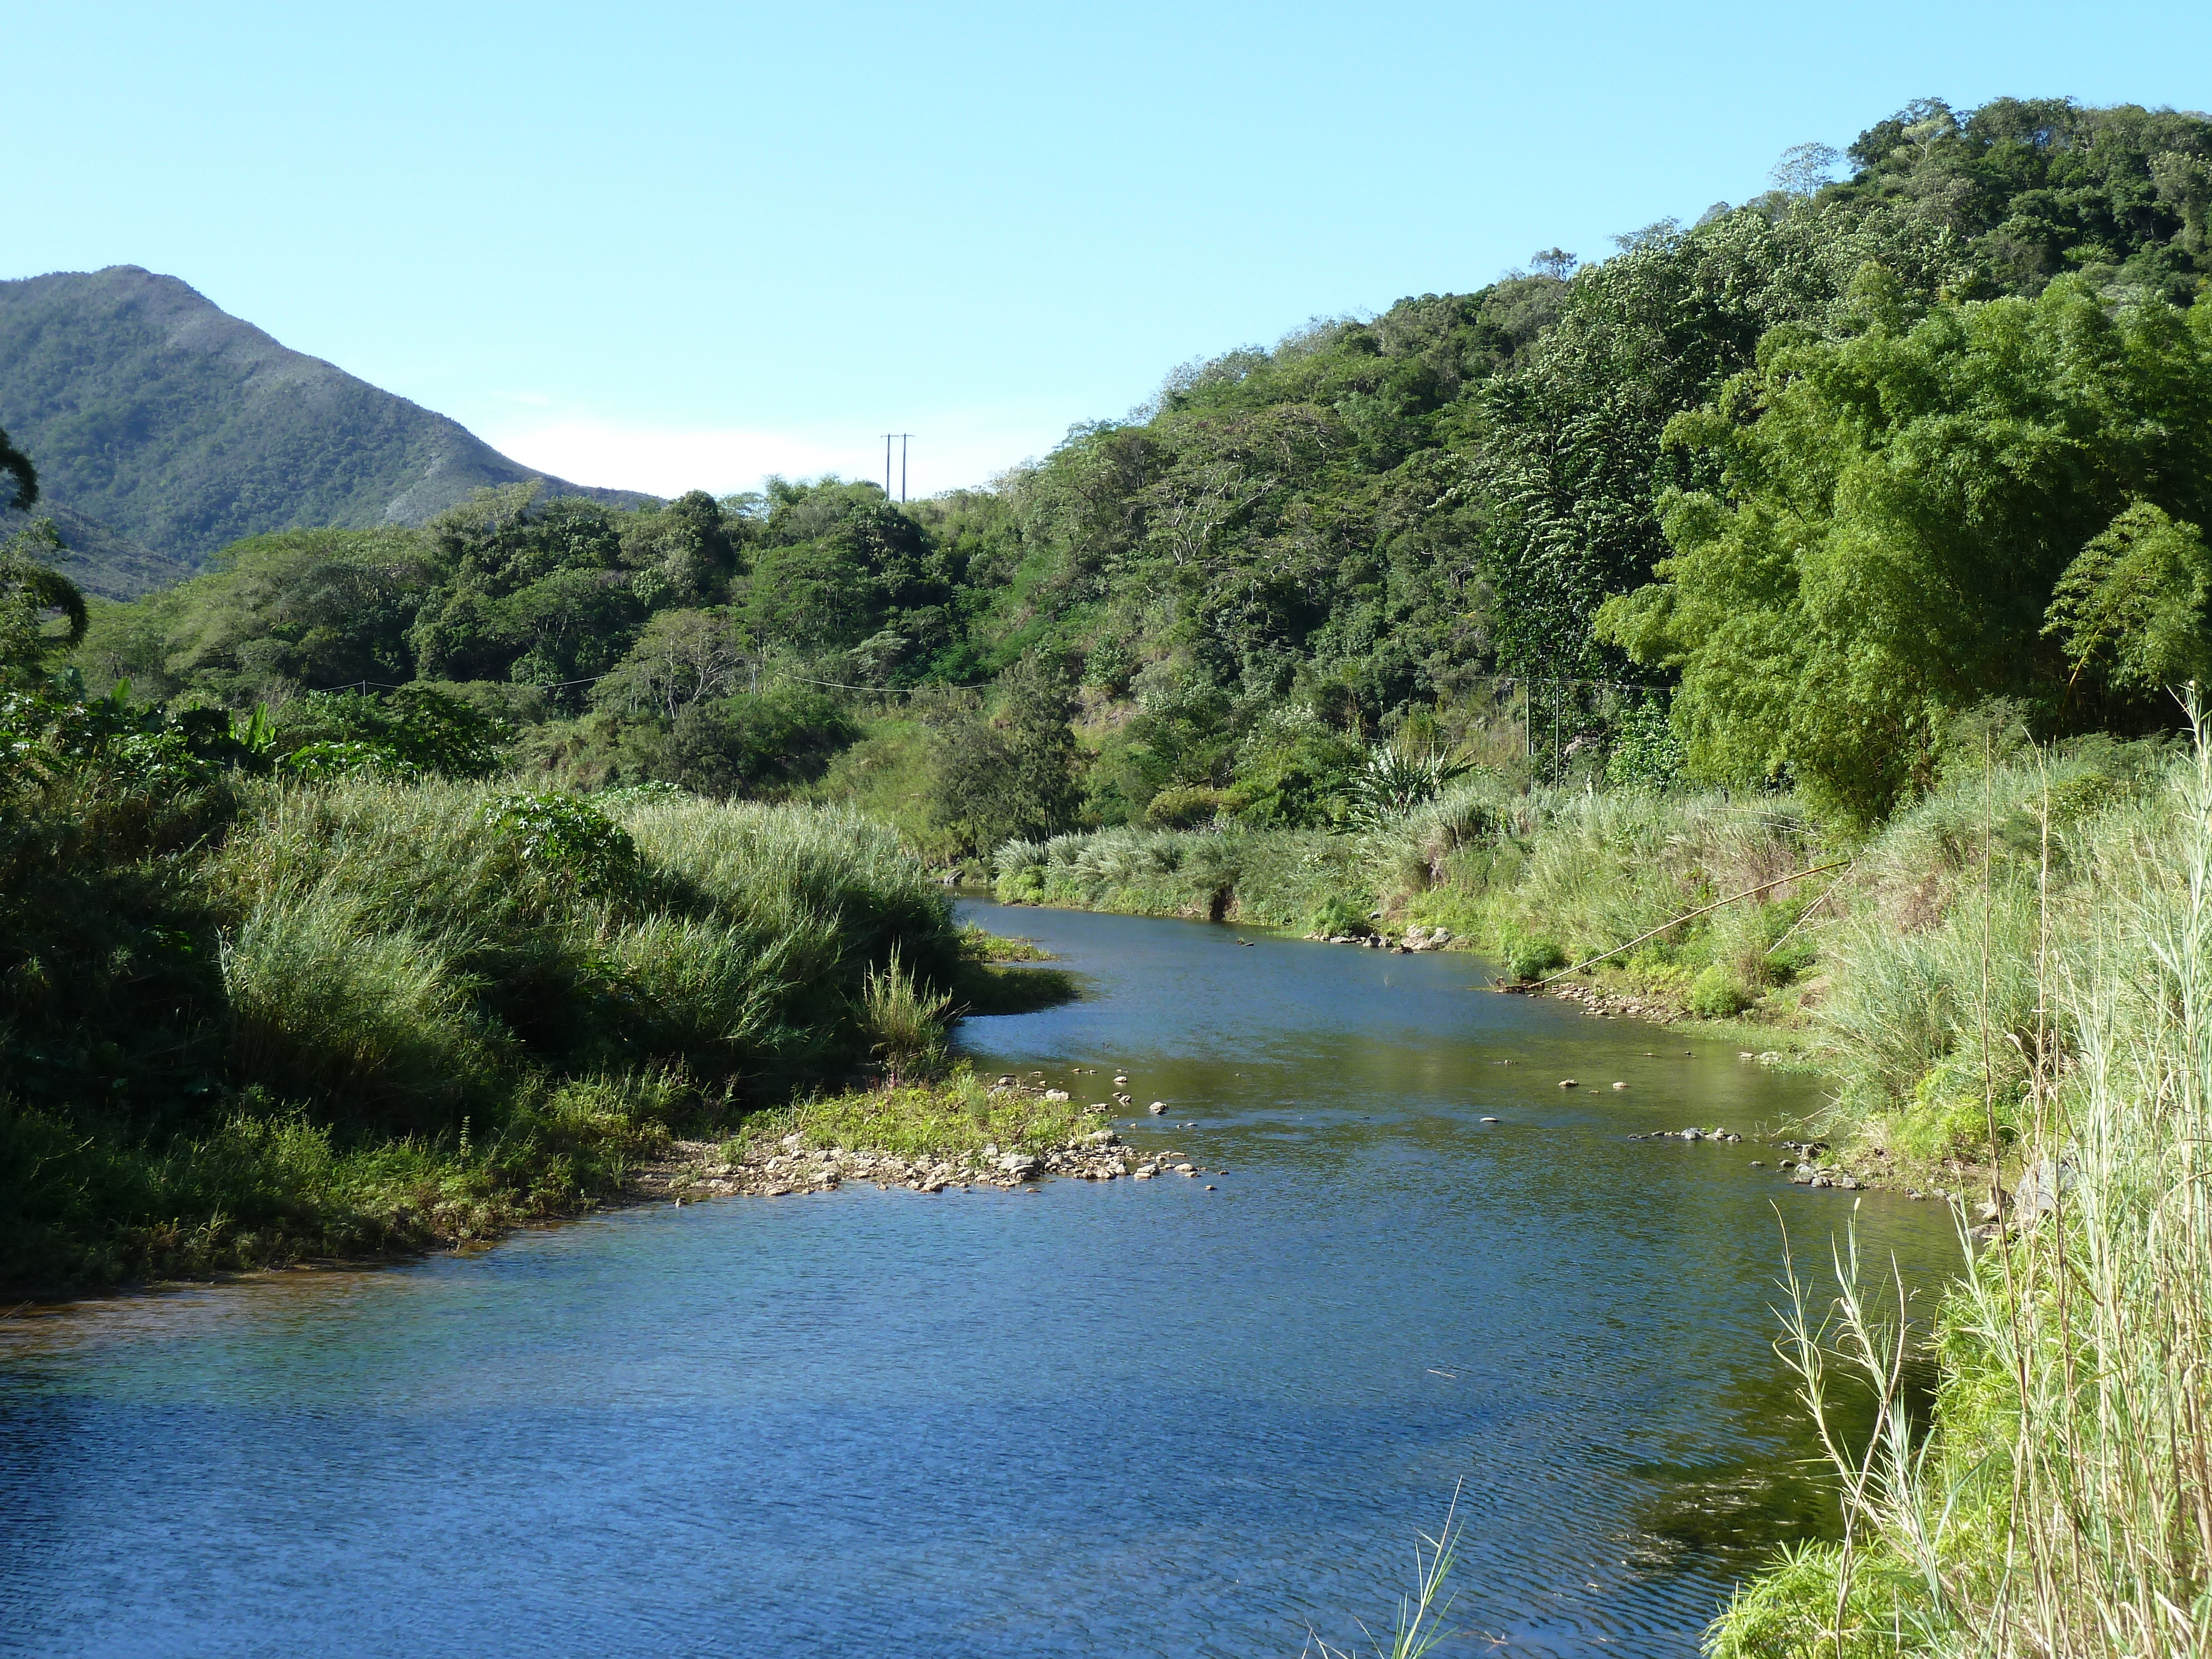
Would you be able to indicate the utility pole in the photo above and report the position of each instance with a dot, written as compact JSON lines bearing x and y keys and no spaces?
{"x":901,"y":437}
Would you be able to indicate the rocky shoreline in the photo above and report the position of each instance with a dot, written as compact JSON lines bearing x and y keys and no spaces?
{"x":788,"y":1168}
{"x":791,"y":1164}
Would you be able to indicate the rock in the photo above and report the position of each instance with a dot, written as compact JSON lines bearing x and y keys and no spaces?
{"x":1490,"y":1120}
{"x":1055,"y":1094}
{"x":1156,"y":1108}
{"x":1186,"y":1170}
{"x":2041,"y":1186}
{"x":1569,"y":1083}
{"x":1693,"y":1134}
{"x":1849,"y":1183}
{"x":793,"y":1143}
{"x":1620,"y":1085}
{"x":1119,"y":1080}
{"x":1209,"y":1186}
{"x":1101,"y":1137}
{"x":1020,"y":1166}
{"x":1758,"y":1163}
{"x":1006,"y":1082}
{"x":1142,"y":1172}
{"x":1770,"y":1057}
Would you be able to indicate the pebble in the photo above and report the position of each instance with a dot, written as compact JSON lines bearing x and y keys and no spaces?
{"x":1156,"y":1108}
{"x":1569,"y":1083}
{"x":1620,"y":1085}
{"x":1490,"y":1120}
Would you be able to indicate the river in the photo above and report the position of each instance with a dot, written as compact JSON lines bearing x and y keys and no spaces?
{"x":1105,"y":1418}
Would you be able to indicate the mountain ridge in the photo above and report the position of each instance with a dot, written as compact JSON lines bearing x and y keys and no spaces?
{"x":164,"y":428}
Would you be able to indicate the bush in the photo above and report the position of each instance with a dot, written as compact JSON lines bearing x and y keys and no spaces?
{"x":1525,"y":956}
{"x":1186,"y":808}
{"x":1717,"y":994}
{"x":1337,"y":914}
{"x":767,"y":745}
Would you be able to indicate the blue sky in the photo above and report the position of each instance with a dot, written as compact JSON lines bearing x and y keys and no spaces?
{"x":662,"y":246}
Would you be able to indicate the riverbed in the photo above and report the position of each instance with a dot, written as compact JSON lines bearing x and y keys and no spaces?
{"x":1099,"y":1418}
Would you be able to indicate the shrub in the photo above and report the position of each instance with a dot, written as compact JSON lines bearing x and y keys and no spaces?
{"x":1336,"y":915}
{"x":1185,"y":808}
{"x":1525,"y":956}
{"x":1717,"y":993}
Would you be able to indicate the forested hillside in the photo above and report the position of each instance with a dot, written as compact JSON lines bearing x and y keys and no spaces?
{"x":1774,"y":497}
{"x":177,"y":426}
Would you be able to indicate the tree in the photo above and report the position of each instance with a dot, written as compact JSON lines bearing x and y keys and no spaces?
{"x":1013,"y":778}
{"x":30,"y":593}
{"x":1994,"y":500}
{"x":681,"y":658}
{"x":17,"y":465}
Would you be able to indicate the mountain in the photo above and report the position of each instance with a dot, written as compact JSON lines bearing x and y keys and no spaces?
{"x":99,"y":560}
{"x":164,"y":428}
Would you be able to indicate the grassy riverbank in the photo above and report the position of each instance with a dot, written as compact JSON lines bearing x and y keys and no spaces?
{"x":252,"y":1020}
{"x":1867,"y":951}
{"x":2063,"y":1503}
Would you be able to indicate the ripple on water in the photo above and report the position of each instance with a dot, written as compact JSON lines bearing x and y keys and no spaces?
{"x":1120,"y":1418}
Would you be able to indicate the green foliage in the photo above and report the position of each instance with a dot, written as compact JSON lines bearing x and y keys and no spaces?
{"x":322,"y":762}
{"x":2131,"y":609}
{"x":1393,"y":783}
{"x":1185,"y":808}
{"x":769,"y":744}
{"x":905,"y":1021}
{"x":17,"y":465}
{"x":1896,"y":511}
{"x":1901,"y":444}
{"x":1718,"y":993}
{"x":416,"y":728}
{"x":1294,"y":772}
{"x":1645,"y":751}
{"x":1336,"y":916}
{"x":222,"y":996}
{"x":1526,"y":956}
{"x":565,"y":838}
{"x":31,"y":593}
{"x":1014,"y":776}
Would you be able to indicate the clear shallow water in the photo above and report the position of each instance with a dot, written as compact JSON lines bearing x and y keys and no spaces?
{"x":1104,"y":1420}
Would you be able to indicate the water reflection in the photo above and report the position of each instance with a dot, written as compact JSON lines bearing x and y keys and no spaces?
{"x":1105,"y":1419}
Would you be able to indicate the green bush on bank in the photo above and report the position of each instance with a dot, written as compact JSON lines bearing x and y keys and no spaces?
{"x":248,"y":1017}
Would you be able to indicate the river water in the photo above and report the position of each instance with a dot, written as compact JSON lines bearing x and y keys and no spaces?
{"x":1110,"y":1418}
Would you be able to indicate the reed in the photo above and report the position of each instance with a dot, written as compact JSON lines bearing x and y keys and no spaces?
{"x":2063,"y":1503}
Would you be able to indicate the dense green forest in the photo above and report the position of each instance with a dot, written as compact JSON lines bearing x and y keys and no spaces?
{"x":1808,"y":478}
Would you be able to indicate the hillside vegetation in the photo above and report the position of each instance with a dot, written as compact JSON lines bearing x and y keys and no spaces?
{"x":1713,"y":489}
{"x":179,"y":429}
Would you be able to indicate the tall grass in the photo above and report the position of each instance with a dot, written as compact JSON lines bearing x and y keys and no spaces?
{"x":268,"y":1019}
{"x":2064,"y":1504}
{"x":1537,"y":878}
